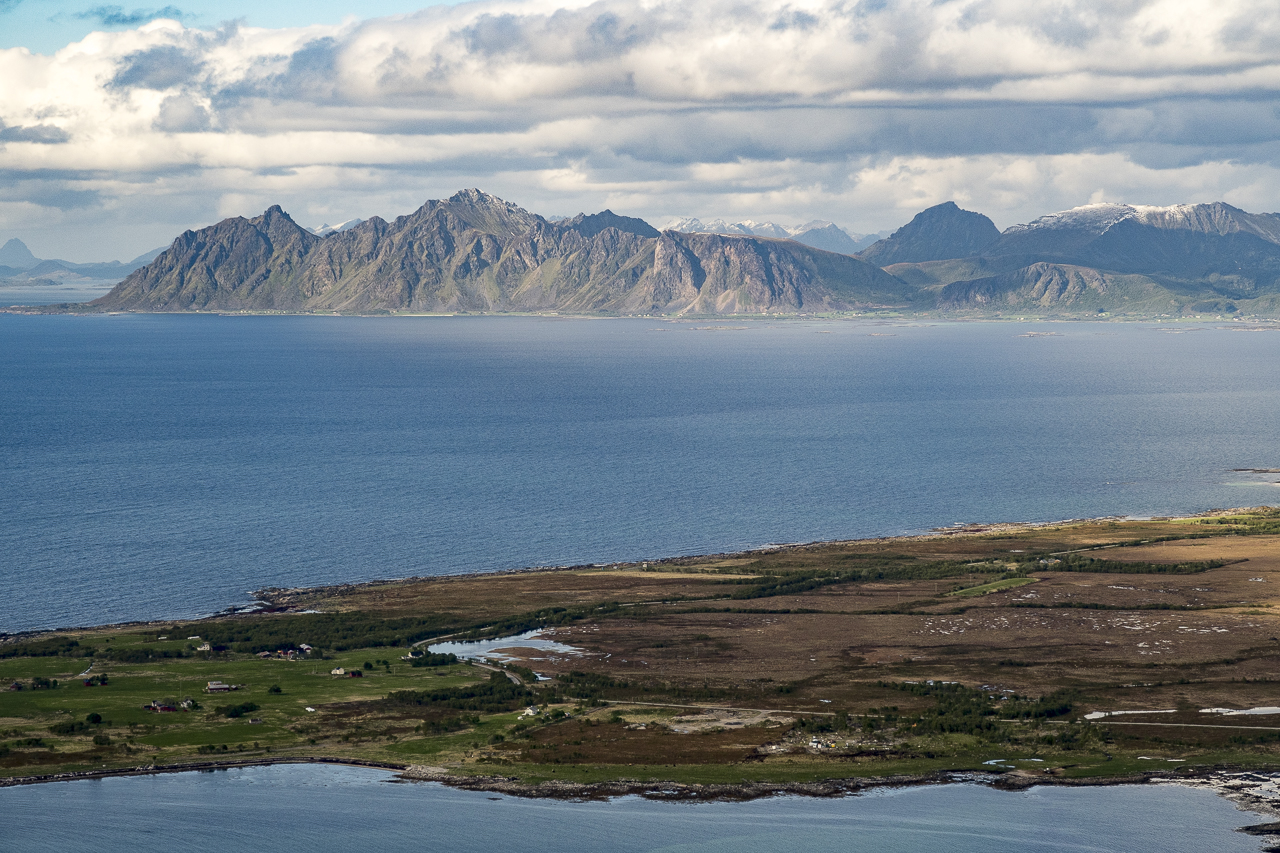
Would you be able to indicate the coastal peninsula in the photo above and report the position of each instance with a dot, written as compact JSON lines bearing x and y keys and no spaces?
{"x":1078,"y":653}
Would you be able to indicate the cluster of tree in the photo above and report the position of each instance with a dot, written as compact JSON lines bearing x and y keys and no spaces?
{"x":431,"y":659}
{"x":137,"y":655}
{"x":959,"y":709}
{"x":866,"y":568}
{"x":55,"y":647}
{"x":546,"y":617}
{"x":1079,"y":563}
{"x":71,"y":727}
{"x":497,"y":694}
{"x":1261,"y":522}
{"x":444,"y":725}
{"x":233,"y":712}
{"x":340,"y":631}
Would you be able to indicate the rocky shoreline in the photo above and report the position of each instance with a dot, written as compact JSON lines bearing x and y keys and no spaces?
{"x":1252,"y":791}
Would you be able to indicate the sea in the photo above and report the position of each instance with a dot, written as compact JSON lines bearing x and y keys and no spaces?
{"x":166,"y":466}
{"x":318,"y":809}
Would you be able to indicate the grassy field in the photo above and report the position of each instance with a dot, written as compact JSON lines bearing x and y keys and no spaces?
{"x":841,"y":660}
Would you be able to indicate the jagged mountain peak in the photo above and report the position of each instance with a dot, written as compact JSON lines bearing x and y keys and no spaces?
{"x":474,"y":251}
{"x":590,"y":224}
{"x":478,"y":210}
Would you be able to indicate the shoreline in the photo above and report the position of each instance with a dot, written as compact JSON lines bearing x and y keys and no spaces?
{"x":1225,"y":781}
{"x":899,"y":315}
{"x":277,"y":598}
{"x":652,"y":789}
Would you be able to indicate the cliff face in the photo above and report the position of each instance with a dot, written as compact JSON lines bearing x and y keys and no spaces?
{"x":474,"y":252}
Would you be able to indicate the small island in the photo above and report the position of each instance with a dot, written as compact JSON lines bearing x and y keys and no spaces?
{"x":1083,"y":652}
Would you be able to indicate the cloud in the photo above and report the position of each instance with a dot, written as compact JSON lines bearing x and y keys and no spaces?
{"x":41,"y":134}
{"x":159,"y":68}
{"x":851,"y":110}
{"x":116,"y":16}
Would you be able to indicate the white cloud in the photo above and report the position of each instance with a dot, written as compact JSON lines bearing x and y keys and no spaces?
{"x":862,"y":112}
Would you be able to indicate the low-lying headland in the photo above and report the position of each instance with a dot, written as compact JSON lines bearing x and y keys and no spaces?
{"x":1086,"y":652}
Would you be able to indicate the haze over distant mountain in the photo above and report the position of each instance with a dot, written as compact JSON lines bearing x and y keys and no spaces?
{"x":475,"y":252}
{"x":15,"y":255}
{"x":18,"y":266}
{"x":819,"y":233}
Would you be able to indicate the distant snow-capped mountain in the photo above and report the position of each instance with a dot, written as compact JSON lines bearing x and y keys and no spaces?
{"x":818,"y":233}
{"x":327,"y":229}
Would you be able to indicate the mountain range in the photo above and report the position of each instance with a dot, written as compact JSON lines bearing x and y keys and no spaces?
{"x":19,"y":266}
{"x":819,"y":233}
{"x":1100,"y":258}
{"x":476,"y":252}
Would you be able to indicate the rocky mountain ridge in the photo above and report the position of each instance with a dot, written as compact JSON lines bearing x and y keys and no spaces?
{"x":1100,"y":258}
{"x":818,"y":233}
{"x":475,"y":252}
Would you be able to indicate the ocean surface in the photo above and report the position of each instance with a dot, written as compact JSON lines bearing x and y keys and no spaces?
{"x":163,"y":466}
{"x":53,"y":294}
{"x":321,"y":809}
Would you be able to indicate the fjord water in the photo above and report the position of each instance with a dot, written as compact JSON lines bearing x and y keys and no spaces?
{"x":163,"y":466}
{"x":320,"y":809}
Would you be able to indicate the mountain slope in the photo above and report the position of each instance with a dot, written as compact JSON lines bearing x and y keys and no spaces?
{"x":1112,"y":257}
{"x":15,"y":254}
{"x":475,"y":252}
{"x":938,"y":233}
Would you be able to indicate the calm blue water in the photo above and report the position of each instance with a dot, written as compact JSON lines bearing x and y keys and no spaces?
{"x":52,"y":294}
{"x":161,"y":466}
{"x":318,"y":809}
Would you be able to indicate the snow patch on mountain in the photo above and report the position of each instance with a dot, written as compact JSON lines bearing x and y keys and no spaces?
{"x":327,"y":229}
{"x":1095,"y":218}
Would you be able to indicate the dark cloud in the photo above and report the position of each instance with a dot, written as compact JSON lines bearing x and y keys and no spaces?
{"x":43,"y":133}
{"x":116,"y":16}
{"x":46,"y":190}
{"x":157,"y":68}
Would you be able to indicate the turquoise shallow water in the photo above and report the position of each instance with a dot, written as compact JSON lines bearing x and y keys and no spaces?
{"x":162,"y":466}
{"x":322,"y":809}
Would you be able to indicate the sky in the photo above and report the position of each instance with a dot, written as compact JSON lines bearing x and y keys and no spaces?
{"x":122,"y":126}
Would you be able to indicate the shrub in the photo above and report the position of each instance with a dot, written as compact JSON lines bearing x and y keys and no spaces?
{"x":432,"y":659}
{"x":46,"y":648}
{"x":497,"y":694}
